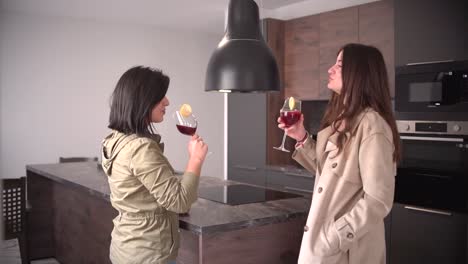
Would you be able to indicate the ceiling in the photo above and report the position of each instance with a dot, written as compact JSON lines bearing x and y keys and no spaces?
{"x":205,"y":16}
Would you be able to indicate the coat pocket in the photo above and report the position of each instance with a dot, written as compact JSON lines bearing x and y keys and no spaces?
{"x":328,"y":242}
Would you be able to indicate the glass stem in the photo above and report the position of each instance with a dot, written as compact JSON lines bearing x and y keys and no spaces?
{"x":284,"y":139}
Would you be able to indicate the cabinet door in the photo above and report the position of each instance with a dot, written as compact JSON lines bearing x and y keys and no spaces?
{"x":246,"y":136}
{"x":388,"y":230}
{"x":247,"y":174}
{"x":337,"y":28}
{"x":301,"y":56}
{"x":289,"y":181}
{"x":427,"y":236}
{"x":376,"y":27}
{"x":430,"y":30}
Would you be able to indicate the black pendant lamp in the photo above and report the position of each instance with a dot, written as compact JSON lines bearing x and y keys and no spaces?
{"x":242,"y":62}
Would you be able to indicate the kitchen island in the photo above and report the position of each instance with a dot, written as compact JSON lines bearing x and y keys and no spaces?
{"x":71,"y":219}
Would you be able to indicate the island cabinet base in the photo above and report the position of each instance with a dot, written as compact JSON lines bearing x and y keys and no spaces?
{"x":73,"y":224}
{"x":272,"y":243}
{"x":67,"y":222}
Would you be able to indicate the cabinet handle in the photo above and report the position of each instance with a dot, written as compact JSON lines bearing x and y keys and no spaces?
{"x":245,"y":167}
{"x":427,"y":62}
{"x":428,"y":210}
{"x":297,"y":189}
{"x":298,"y":175}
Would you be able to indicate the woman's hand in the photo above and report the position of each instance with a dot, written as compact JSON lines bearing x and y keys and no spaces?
{"x":296,"y":131}
{"x":197,"y":148}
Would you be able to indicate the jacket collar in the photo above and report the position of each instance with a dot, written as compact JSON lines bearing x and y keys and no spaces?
{"x":327,"y":134}
{"x":157,"y":138}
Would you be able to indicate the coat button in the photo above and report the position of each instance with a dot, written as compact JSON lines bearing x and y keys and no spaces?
{"x":350,"y":236}
{"x":334,"y":165}
{"x":306,"y":228}
{"x":320,"y":189}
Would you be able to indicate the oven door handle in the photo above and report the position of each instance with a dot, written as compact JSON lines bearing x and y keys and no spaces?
{"x":432,"y":211}
{"x":448,"y":177}
{"x":444,"y":139}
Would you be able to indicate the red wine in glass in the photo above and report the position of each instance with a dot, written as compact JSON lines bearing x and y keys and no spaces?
{"x":289,"y":118}
{"x":290,"y":113}
{"x":186,"y":130}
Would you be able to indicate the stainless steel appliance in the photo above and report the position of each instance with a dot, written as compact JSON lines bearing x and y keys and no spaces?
{"x":433,"y":172}
{"x":432,"y":91}
{"x":429,"y":219}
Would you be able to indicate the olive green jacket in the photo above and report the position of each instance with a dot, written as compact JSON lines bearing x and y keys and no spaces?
{"x":148,"y":197}
{"x":353,"y":193}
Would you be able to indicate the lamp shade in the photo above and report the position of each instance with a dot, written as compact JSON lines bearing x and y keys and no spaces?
{"x":242,"y":62}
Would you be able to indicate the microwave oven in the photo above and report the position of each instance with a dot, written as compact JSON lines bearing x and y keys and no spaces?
{"x":432,"y":91}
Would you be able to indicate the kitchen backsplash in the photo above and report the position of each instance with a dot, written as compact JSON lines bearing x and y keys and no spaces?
{"x":313,"y":113}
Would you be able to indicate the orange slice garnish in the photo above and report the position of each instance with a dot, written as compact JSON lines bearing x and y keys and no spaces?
{"x":185,"y":110}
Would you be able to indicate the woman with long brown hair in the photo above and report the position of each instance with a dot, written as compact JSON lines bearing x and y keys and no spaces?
{"x":354,"y":161}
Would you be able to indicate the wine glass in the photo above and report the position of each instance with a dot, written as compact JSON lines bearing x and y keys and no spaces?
{"x":186,"y":122}
{"x":290,"y":113}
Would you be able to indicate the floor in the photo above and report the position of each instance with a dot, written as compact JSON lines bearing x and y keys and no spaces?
{"x":10,"y":254}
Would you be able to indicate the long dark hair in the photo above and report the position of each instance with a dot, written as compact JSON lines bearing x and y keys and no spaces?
{"x":365,"y":84}
{"x":134,"y":97}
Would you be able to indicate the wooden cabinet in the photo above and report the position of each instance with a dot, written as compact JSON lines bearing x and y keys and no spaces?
{"x":311,"y":45}
{"x":376,"y":28}
{"x":430,"y":30}
{"x":275,"y":38}
{"x":301,"y":56}
{"x":337,"y":28}
{"x":290,"y":181}
{"x":427,"y":236}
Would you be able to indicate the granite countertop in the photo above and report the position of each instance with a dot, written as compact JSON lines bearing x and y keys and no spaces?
{"x":204,"y":217}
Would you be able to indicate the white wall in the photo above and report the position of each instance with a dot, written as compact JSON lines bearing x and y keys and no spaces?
{"x":57,"y":74}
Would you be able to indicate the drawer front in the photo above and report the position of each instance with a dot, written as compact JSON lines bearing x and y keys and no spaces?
{"x":247,"y":174}
{"x":290,"y":180}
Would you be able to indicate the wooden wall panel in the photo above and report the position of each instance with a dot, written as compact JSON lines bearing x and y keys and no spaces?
{"x":376,"y":27}
{"x":275,"y":40}
{"x":337,"y":28}
{"x":301,"y":58}
{"x":311,"y":45}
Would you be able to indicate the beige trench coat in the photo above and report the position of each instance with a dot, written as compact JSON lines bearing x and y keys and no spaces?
{"x":148,"y":197}
{"x":353,"y":193}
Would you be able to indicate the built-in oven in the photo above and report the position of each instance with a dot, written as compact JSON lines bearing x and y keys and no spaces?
{"x":433,"y":172}
{"x":432,"y":91}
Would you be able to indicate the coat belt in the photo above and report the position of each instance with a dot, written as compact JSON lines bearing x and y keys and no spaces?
{"x":141,"y":215}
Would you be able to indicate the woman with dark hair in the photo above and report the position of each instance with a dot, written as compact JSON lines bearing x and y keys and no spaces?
{"x":144,"y":189}
{"x":354,"y":162}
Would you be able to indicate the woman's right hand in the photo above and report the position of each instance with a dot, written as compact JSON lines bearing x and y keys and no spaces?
{"x":197,"y":148}
{"x":296,"y":131}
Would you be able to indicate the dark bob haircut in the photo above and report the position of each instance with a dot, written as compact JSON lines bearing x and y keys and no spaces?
{"x":134,"y":97}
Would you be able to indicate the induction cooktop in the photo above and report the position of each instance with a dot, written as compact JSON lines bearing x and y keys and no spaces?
{"x":242,"y":194}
